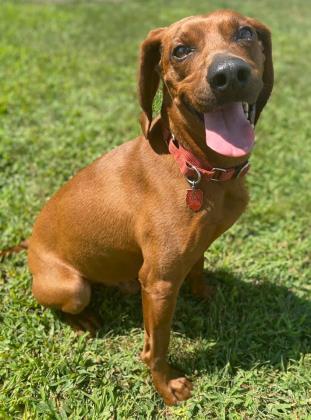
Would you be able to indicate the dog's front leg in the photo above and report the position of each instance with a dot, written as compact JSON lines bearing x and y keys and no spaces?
{"x":198,"y":283}
{"x":159,"y":301}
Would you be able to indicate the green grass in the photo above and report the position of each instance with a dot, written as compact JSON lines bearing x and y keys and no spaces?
{"x":68,"y":94}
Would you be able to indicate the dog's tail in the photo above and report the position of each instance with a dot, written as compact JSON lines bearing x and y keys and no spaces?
{"x":14,"y":249}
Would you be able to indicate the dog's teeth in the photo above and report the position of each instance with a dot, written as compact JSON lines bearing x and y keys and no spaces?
{"x":245,"y":108}
{"x":252,"y":114}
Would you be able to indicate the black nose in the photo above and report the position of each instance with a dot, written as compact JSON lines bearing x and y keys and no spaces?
{"x":228,"y":73}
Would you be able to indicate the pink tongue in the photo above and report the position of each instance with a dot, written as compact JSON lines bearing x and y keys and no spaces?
{"x":228,"y":132}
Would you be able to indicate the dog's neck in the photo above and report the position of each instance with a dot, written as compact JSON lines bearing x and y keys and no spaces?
{"x":190,"y":133}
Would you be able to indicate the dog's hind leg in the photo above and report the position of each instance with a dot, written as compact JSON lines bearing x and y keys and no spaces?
{"x":57,"y":285}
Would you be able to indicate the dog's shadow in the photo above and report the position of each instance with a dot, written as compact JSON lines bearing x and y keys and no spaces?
{"x":245,"y":325}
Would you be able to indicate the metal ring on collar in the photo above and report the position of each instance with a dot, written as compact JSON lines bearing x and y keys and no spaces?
{"x":219,"y":170}
{"x":194,"y":182}
{"x":244,"y":168}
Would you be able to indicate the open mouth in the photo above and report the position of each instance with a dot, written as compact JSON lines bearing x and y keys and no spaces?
{"x":229,"y":130}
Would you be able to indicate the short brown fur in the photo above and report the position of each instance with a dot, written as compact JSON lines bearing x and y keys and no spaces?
{"x":124,"y":217}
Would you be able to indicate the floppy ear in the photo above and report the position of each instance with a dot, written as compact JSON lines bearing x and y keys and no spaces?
{"x":264,"y":35}
{"x":149,"y":77}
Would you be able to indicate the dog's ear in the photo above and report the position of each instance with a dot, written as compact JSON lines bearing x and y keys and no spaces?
{"x":264,"y":36}
{"x":149,"y":76}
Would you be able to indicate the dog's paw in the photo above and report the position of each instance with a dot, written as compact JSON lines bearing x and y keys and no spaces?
{"x":86,"y":321}
{"x":172,"y":386}
{"x":179,"y":389}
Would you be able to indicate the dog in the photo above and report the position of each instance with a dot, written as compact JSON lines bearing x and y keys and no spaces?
{"x":142,"y":215}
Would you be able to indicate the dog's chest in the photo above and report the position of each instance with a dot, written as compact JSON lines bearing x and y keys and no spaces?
{"x":227,"y":206}
{"x":220,"y":211}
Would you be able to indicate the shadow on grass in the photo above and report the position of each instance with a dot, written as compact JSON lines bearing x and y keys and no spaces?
{"x":246,"y":325}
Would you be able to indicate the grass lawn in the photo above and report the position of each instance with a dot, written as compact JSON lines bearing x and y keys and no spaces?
{"x":67,"y":95}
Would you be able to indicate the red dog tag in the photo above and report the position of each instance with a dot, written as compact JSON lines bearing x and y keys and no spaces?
{"x":194,"y":199}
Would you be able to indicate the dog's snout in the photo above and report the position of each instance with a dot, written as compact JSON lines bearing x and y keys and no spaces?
{"x":228,"y":73}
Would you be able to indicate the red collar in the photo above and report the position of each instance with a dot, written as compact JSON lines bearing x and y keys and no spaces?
{"x":190,"y":165}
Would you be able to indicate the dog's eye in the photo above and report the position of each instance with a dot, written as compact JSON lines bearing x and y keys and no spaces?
{"x":181,"y":52}
{"x":245,"y":33}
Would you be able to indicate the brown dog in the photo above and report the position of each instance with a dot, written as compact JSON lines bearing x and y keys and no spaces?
{"x":149,"y":209}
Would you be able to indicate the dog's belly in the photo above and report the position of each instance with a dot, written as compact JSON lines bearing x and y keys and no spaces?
{"x":113,"y":269}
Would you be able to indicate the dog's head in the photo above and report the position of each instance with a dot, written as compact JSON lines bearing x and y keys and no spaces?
{"x":217,"y":75}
